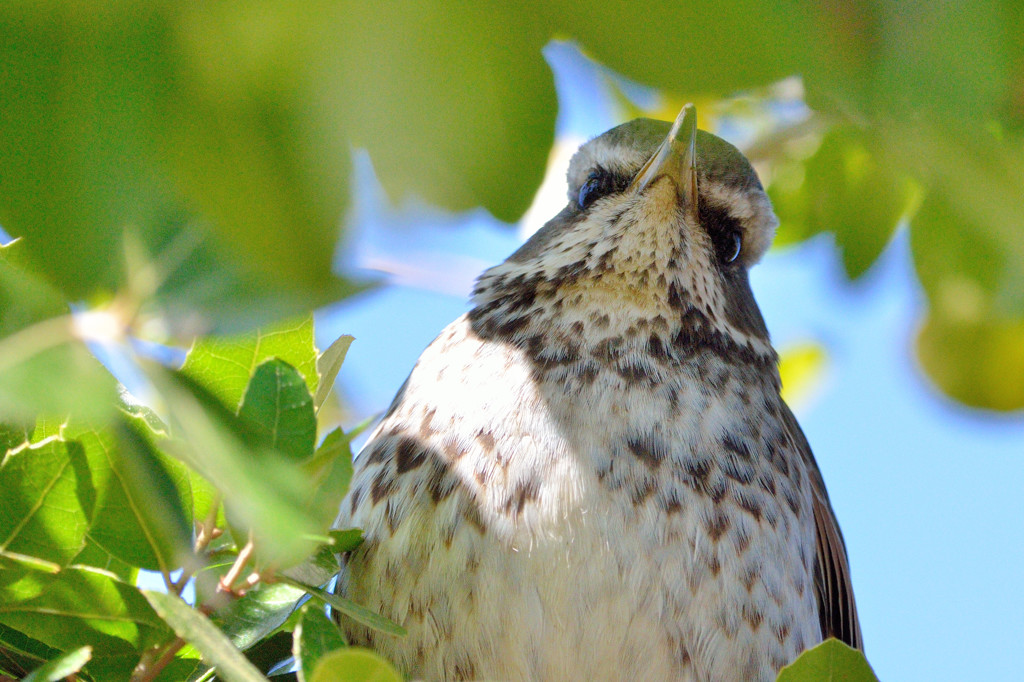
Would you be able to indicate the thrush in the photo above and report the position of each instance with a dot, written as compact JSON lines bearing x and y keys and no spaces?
{"x":592,"y":475}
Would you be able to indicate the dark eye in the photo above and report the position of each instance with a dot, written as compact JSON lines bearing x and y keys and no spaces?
{"x":732,"y":247}
{"x":592,"y":189}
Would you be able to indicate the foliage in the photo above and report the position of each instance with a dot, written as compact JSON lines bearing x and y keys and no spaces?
{"x":176,"y":174}
{"x":228,"y":496}
{"x":831,"y":660}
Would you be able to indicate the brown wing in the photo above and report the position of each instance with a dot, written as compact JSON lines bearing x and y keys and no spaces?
{"x":836,"y":606}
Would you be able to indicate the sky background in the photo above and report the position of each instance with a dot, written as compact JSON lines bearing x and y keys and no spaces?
{"x":930,"y":495}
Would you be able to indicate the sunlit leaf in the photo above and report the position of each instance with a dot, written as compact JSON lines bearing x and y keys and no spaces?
{"x":330,"y":472}
{"x":46,"y":500}
{"x":94,"y":555}
{"x":225,"y":365}
{"x":831,"y":660}
{"x":315,"y":636}
{"x":61,"y":667}
{"x":143,"y":508}
{"x":802,"y":368}
{"x":328,"y":365}
{"x":279,"y":409}
{"x":192,"y":626}
{"x":78,"y":605}
{"x":353,"y":664}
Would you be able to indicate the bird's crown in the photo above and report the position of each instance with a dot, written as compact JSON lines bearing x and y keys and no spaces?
{"x":662,"y":222}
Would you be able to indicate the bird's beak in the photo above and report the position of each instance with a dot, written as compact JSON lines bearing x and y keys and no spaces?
{"x":677,"y":159}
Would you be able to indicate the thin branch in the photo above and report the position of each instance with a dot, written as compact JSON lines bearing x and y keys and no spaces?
{"x":148,"y":669}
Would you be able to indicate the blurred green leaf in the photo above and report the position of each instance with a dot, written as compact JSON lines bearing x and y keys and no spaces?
{"x":976,"y":362}
{"x":46,"y":500}
{"x":224,"y":366}
{"x":43,"y":368}
{"x":328,"y":365}
{"x":802,"y":368}
{"x":279,"y":410}
{"x":845,"y":187}
{"x":330,"y":472}
{"x":192,"y":626}
{"x":968,"y":236}
{"x":317,"y":570}
{"x":358,"y":613}
{"x":831,"y":660}
{"x":353,"y":664}
{"x":62,"y":666}
{"x":346,"y":540}
{"x":702,"y":47}
{"x":129,"y":110}
{"x":479,"y":139}
{"x":315,"y":636}
{"x":78,"y":605}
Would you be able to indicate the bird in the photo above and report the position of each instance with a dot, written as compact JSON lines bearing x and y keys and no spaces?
{"x":592,"y":474}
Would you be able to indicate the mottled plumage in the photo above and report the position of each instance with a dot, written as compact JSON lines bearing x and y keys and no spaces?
{"x":591,"y":475}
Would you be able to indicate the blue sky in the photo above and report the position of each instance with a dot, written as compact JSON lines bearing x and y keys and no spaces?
{"x":930,"y":495}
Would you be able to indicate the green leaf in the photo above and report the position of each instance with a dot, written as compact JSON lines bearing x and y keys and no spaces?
{"x":358,"y":613}
{"x":61,"y":667}
{"x":224,"y":366}
{"x":94,"y":555}
{"x":46,"y":499}
{"x":849,"y":189}
{"x":315,"y":636}
{"x":318,"y":569}
{"x":346,"y":540}
{"x":978,"y":362}
{"x":272,"y":653}
{"x":194,"y":627}
{"x":77,"y":605}
{"x":262,"y":610}
{"x":143,"y":509}
{"x":22,"y":652}
{"x":13,"y":435}
{"x":475,"y":132}
{"x":127,"y":114}
{"x":328,"y":365}
{"x":353,"y":664}
{"x":264,"y":491}
{"x":831,"y":660}
{"x":706,"y":47}
{"x":330,"y":471}
{"x":279,"y":409}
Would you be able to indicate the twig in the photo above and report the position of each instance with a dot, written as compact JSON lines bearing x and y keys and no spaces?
{"x":148,"y":669}
{"x":231,"y":576}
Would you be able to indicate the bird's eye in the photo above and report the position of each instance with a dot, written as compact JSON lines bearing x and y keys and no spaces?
{"x":591,"y":190}
{"x":733,"y":246}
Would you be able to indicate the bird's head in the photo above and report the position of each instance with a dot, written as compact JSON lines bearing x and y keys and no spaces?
{"x":662,"y":224}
